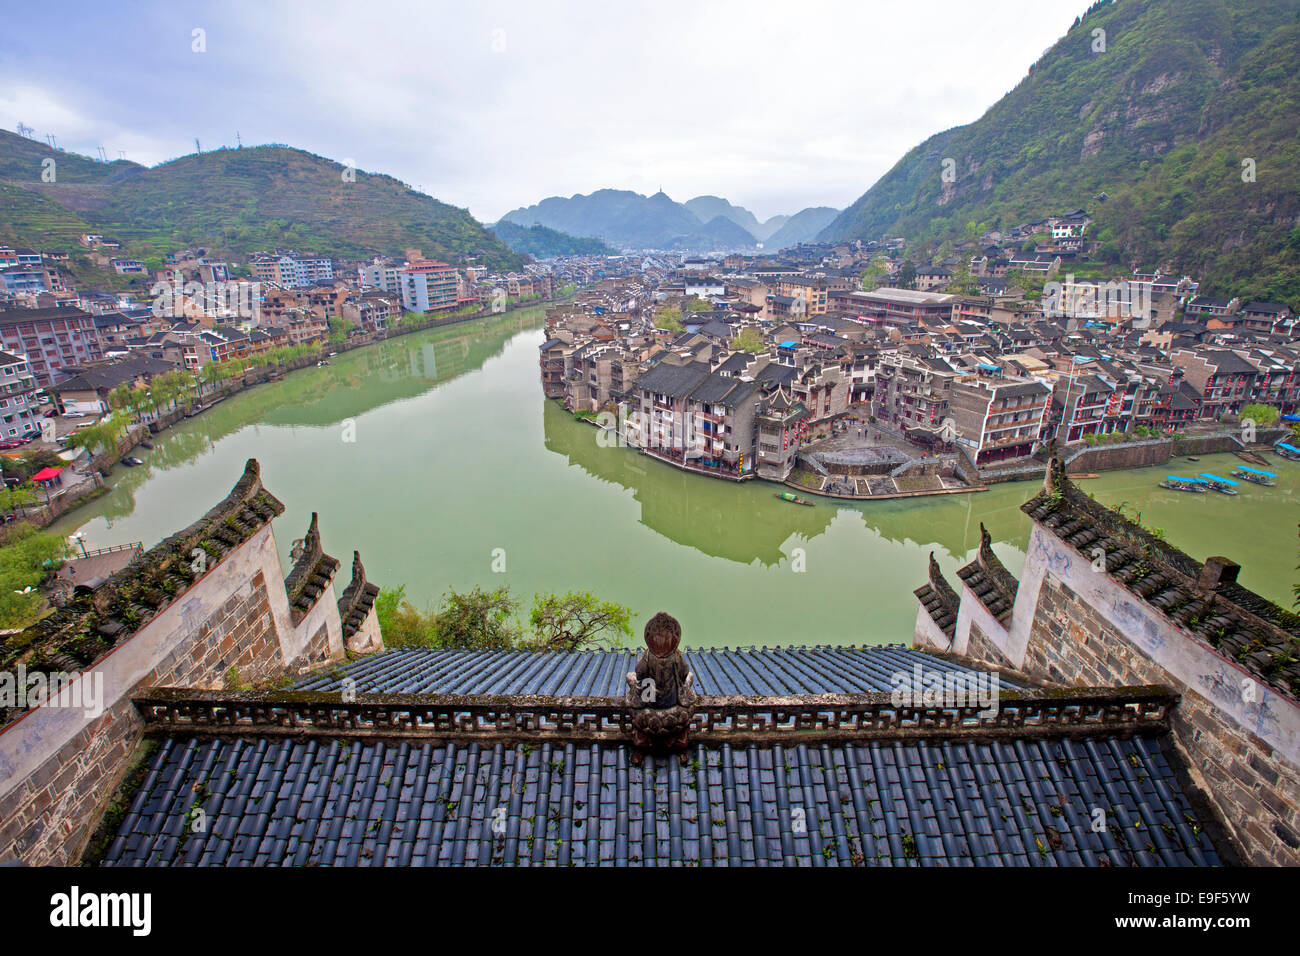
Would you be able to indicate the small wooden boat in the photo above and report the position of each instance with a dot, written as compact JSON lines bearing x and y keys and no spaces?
{"x":1195,"y":485}
{"x":1254,"y":476}
{"x":1224,"y":486}
{"x":1191,"y":458}
{"x":793,"y":499}
{"x":1287,"y":450}
{"x":1086,"y":475}
{"x":1252,"y":457}
{"x":147,"y":444}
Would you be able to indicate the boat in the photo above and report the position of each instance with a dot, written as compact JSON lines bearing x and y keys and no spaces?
{"x":1252,"y":457}
{"x":1224,"y":486}
{"x":1190,"y":458}
{"x":1254,"y":475}
{"x":793,"y":499}
{"x":1174,"y":483}
{"x":1287,"y":451}
{"x":147,"y":444}
{"x":131,"y":461}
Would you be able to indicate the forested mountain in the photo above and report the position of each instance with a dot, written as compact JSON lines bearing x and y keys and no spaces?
{"x":703,"y":224}
{"x":231,"y":201}
{"x":542,"y":242}
{"x":803,"y":226}
{"x":1173,"y":122}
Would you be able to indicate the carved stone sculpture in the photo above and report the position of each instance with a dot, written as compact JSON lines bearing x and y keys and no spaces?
{"x":661,"y":693}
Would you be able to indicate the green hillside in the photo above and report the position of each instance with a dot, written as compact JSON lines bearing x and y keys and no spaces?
{"x":1160,"y":122}
{"x":232,"y":201}
{"x":542,"y":242}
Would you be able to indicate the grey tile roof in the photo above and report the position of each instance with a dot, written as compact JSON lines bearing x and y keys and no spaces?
{"x":776,"y":671}
{"x":320,"y":801}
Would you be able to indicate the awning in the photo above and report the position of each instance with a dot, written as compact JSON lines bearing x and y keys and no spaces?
{"x":47,"y":474}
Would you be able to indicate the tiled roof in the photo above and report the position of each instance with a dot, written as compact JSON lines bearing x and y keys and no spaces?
{"x":939,"y":599}
{"x":989,"y":580}
{"x":277,"y":800}
{"x":1237,"y":623}
{"x":600,"y":673}
{"x":88,"y":626}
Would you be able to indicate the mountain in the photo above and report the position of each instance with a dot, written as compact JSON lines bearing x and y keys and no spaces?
{"x":231,"y":201}
{"x":1162,"y":119}
{"x":707,"y":208}
{"x":542,"y":242}
{"x":770,"y":226}
{"x":630,"y":220}
{"x":803,"y":226}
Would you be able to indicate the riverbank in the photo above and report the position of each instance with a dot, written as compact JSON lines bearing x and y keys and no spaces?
{"x":457,"y":460}
{"x":104,"y":464}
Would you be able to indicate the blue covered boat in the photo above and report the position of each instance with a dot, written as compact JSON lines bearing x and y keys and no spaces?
{"x":1255,"y":476}
{"x":1224,"y":486}
{"x":1287,"y":451}
{"x":1175,"y":483}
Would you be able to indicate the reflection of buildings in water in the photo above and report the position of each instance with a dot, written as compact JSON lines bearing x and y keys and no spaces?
{"x":745,"y":522}
{"x":361,"y":381}
{"x":740,"y":523}
{"x":950,"y":524}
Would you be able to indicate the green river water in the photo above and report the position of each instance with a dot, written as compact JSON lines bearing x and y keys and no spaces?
{"x":457,"y":454}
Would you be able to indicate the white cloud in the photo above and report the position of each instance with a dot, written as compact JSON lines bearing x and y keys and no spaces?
{"x":770,"y":104}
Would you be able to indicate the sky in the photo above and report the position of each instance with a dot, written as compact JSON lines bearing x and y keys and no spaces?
{"x":493,"y":105}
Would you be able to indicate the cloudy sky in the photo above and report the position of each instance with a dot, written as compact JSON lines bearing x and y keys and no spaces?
{"x":492,"y":105}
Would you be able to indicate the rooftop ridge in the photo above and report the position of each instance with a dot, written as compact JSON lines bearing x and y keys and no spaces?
{"x":1201,"y":597}
{"x":89,"y":625}
{"x":939,"y":599}
{"x":312,"y":572}
{"x":992,"y":584}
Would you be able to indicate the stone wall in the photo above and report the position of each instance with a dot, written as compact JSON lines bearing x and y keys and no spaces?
{"x":1136,"y":611}
{"x":1254,"y":784}
{"x":61,"y":765}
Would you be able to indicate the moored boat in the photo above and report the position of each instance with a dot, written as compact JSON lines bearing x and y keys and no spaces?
{"x":1175,"y":483}
{"x":1287,"y":450}
{"x":793,"y":499}
{"x":1254,"y":475}
{"x":1224,"y":486}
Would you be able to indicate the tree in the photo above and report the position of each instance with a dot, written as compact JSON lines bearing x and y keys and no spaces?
{"x":401,"y":623}
{"x":478,"y":620}
{"x":907,"y":275}
{"x":962,"y":282}
{"x":576,"y":620}
{"x":669,"y":319}
{"x":694,"y":304}
{"x":104,"y":434}
{"x":873,"y":275}
{"x":748,"y":340}
{"x":1260,"y":414}
{"x":25,"y":559}
{"x":19,"y":497}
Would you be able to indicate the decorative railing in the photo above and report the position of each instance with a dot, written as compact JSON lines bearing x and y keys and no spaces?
{"x":1064,"y":712}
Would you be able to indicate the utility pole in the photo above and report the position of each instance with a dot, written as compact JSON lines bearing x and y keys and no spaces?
{"x":239,"y":143}
{"x":197,"y":147}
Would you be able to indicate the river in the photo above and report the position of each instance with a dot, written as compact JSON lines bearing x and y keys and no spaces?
{"x":457,"y":463}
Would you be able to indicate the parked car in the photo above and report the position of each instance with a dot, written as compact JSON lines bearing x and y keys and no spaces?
{"x":51,"y":413}
{"x":9,"y":443}
{"x":75,"y":415}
